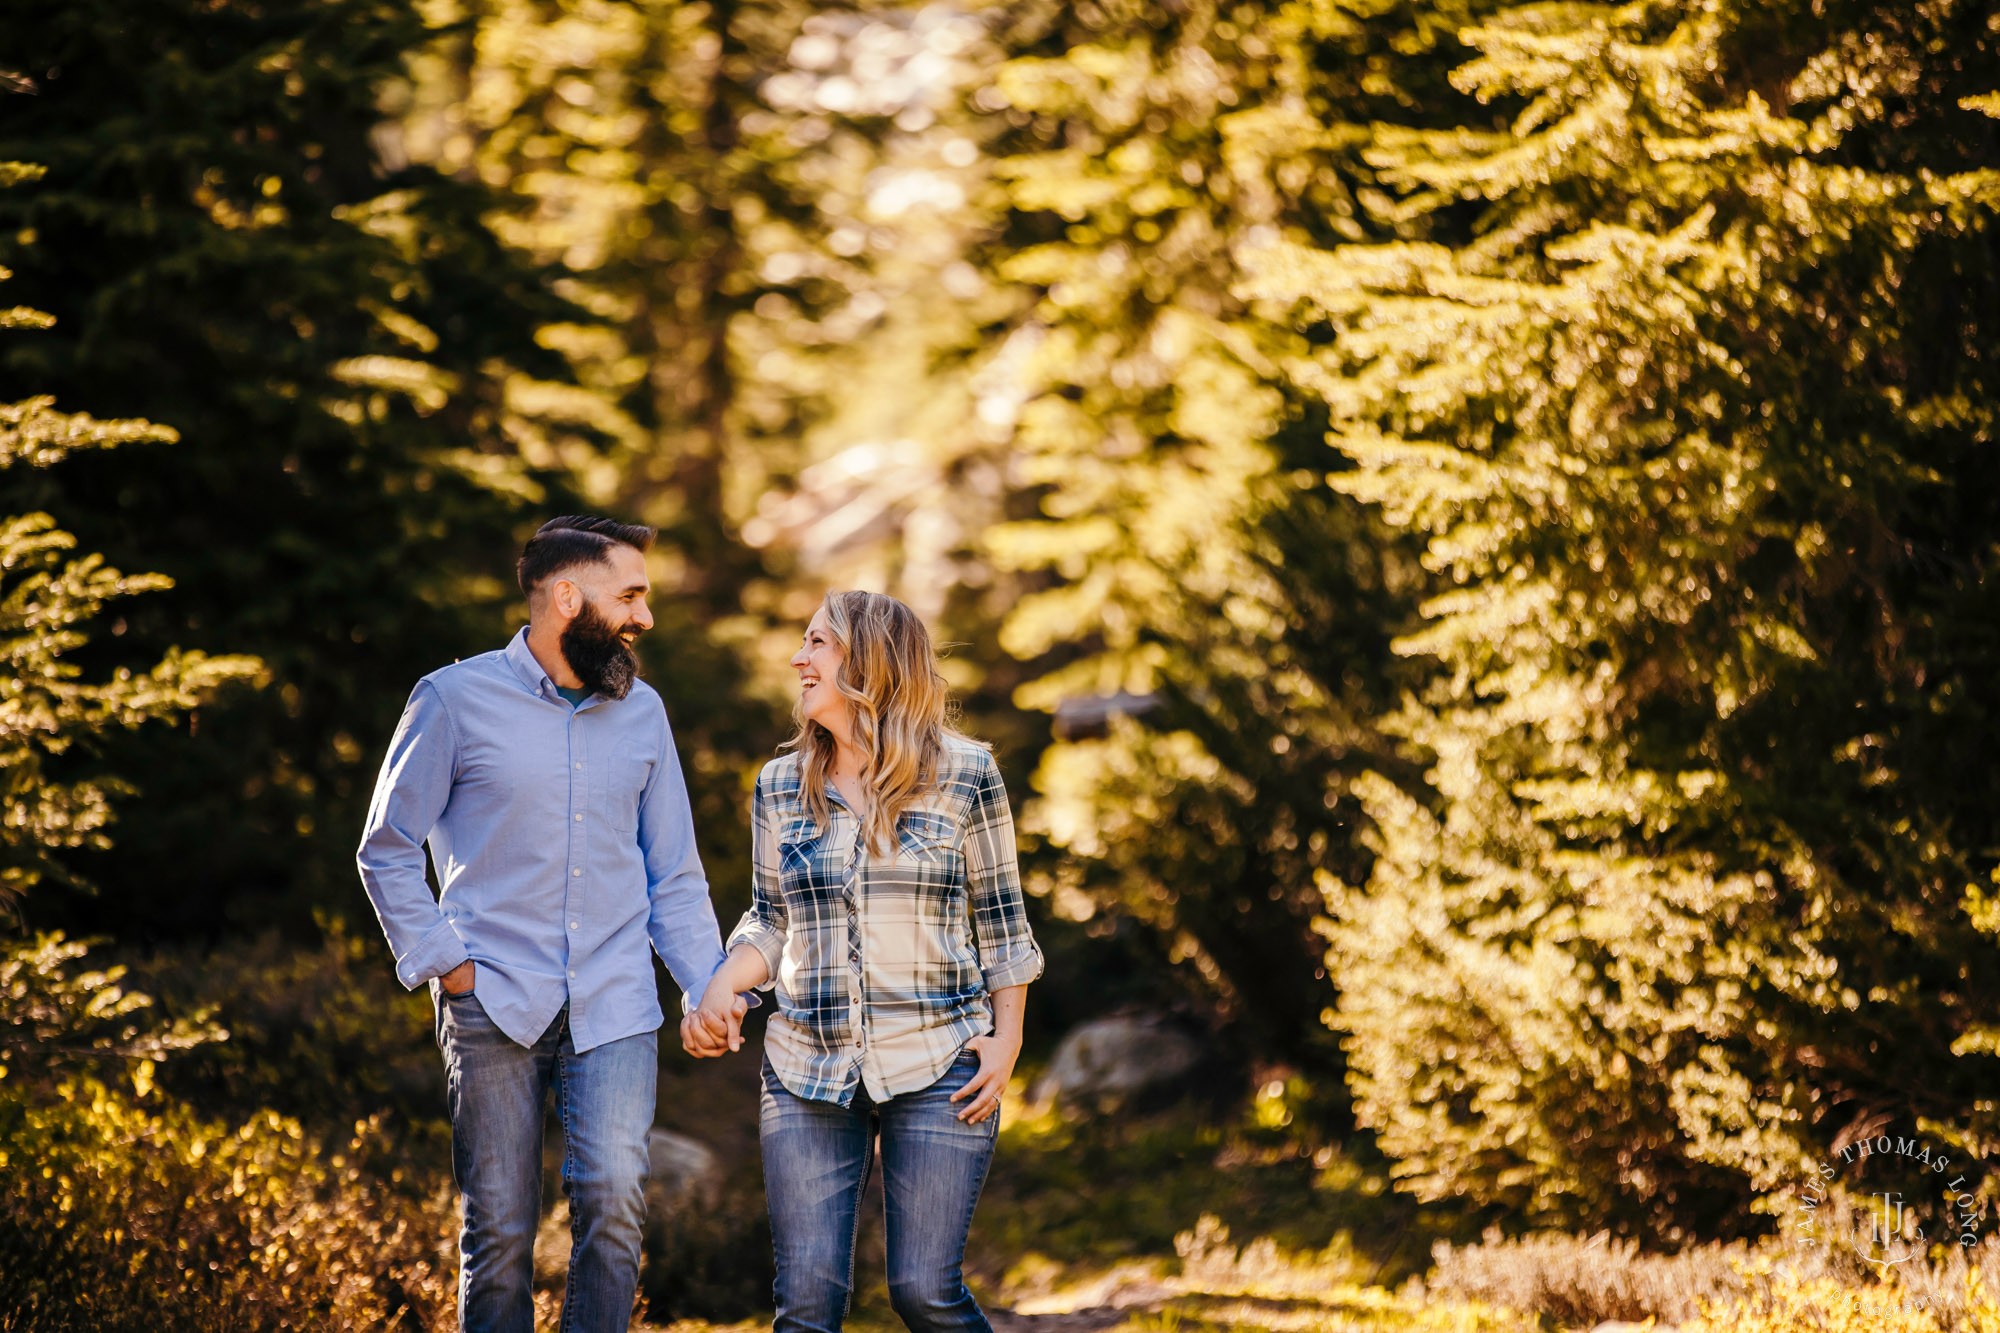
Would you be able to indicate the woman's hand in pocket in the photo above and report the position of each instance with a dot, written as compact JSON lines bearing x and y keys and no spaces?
{"x":983,"y":1092}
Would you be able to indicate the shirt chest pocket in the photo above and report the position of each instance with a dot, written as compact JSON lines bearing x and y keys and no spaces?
{"x":924,"y":837}
{"x":623,"y":779}
{"x":809,"y":866}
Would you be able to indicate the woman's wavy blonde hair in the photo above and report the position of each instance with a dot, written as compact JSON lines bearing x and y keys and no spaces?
{"x":898,"y":705}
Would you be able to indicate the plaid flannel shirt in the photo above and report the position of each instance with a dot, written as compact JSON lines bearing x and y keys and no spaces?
{"x":883,"y":961}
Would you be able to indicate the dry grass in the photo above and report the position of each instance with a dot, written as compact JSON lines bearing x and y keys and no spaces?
{"x":1585,"y":1280}
{"x":1577,"y":1282}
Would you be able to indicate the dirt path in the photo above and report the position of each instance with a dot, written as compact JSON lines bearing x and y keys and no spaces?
{"x":1073,"y":1321}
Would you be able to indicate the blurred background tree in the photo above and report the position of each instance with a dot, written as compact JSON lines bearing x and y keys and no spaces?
{"x":1210,"y":623}
{"x":755,"y":204}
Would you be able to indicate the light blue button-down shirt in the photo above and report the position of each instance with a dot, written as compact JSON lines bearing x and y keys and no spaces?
{"x":563,"y":844}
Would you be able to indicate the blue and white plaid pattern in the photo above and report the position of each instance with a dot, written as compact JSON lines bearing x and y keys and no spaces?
{"x":883,"y":961}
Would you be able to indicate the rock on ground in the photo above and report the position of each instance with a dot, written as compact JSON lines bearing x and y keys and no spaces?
{"x":683,"y":1169}
{"x":1107,"y":1061}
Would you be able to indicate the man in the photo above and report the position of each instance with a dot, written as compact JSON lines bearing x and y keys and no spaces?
{"x":545,"y":781}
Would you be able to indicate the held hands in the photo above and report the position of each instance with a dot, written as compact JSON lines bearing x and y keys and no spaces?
{"x":716,"y":1026}
{"x":996,"y":1065}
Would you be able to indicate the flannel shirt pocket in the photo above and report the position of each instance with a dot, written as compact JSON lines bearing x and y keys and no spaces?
{"x":809,"y":872}
{"x":924,"y":835}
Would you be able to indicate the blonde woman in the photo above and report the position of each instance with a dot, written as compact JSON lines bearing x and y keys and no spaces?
{"x":886,"y":907}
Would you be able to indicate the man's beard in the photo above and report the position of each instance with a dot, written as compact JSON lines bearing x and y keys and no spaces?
{"x":597,"y":655}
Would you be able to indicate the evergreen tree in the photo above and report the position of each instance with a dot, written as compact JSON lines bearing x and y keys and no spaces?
{"x":1189,"y":563}
{"x":348,"y":354}
{"x":48,"y":595}
{"x":1689,"y":398}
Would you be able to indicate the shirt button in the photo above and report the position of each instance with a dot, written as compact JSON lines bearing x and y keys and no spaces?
{"x":572,"y":974}
{"x":579,"y":765}
{"x":577,"y":871}
{"x":572,"y":925}
{"x":579,"y":819}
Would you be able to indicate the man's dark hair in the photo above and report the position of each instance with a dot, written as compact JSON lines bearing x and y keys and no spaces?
{"x":575,"y":539}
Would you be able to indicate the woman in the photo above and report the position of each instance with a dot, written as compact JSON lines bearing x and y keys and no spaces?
{"x":886,"y":907}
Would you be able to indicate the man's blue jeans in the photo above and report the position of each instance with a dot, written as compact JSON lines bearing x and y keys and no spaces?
{"x":605,"y":1100}
{"x":816,"y":1161}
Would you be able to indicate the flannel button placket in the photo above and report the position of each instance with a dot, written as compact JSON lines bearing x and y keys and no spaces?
{"x":849,"y":882}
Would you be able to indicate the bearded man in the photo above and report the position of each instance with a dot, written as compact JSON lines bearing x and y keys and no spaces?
{"x":544,"y":779}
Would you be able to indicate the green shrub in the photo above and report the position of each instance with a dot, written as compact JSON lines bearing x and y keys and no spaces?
{"x":322,"y":1034}
{"x":128,"y":1211}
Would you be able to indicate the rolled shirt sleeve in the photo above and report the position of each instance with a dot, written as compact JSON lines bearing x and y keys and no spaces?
{"x":410,"y":795}
{"x":763,"y":927}
{"x":1008,"y":954}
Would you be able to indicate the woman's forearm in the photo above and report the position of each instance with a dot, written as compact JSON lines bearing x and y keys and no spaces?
{"x":744,"y":969}
{"x":1010,"y":1006}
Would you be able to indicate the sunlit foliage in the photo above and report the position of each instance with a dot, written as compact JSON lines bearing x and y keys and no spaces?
{"x":1688,"y":397}
{"x":126,"y":1210}
{"x":758,"y":205}
{"x":1194,"y":567}
{"x":335,"y":345}
{"x":48,"y":595}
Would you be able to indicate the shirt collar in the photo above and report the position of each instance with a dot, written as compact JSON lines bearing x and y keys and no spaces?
{"x":522,"y":659}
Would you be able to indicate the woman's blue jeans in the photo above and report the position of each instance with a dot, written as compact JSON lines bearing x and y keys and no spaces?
{"x":605,"y":1100}
{"x":817,"y":1158}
